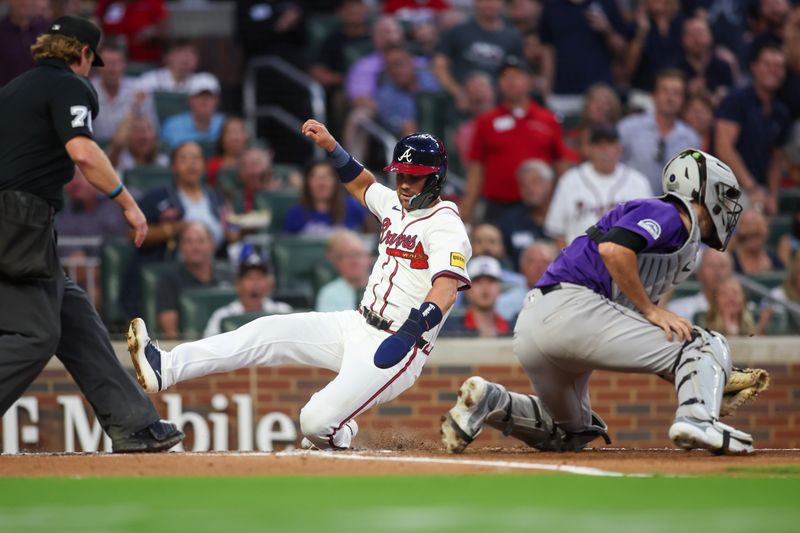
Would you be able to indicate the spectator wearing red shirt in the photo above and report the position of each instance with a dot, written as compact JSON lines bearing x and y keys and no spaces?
{"x":142,"y":23}
{"x":515,"y":131}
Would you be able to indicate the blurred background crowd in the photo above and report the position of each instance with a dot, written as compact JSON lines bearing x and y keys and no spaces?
{"x":553,"y":112}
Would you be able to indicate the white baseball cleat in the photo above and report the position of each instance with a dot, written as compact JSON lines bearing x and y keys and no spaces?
{"x":464,"y":422}
{"x":719,"y":438}
{"x":146,"y":357}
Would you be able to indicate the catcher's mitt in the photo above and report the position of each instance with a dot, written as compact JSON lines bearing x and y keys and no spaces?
{"x":743,"y":386}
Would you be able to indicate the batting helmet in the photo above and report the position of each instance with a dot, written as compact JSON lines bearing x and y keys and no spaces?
{"x":421,"y":154}
{"x":703,"y":178}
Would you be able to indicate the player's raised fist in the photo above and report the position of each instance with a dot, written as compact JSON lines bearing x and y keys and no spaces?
{"x":318,"y":133}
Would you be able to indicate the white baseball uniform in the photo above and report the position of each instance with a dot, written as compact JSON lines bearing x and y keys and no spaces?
{"x":415,"y":248}
{"x":582,"y":196}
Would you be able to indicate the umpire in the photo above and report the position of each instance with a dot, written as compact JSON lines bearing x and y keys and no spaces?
{"x":46,"y":129}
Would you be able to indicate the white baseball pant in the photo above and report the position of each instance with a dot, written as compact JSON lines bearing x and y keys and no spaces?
{"x":340,"y":341}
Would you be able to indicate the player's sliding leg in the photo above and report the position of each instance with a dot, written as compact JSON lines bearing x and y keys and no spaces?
{"x":360,"y":385}
{"x":701,"y":371}
{"x":304,"y":338}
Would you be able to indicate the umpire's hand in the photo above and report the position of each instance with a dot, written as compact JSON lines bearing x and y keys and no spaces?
{"x":137,"y":222}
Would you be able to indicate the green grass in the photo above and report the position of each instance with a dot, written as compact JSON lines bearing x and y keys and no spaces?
{"x":479,"y":503}
{"x":776,"y":470}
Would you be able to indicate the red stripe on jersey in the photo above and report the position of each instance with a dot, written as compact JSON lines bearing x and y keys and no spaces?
{"x":391,"y":284}
{"x":363,"y":405}
{"x":450,"y":274}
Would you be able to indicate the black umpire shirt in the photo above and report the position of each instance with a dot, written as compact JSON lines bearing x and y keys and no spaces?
{"x":40,"y":111}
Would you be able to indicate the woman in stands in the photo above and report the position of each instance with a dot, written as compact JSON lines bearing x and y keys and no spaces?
{"x":168,"y":209}
{"x":233,"y":141}
{"x":323,"y":207}
{"x":728,"y":312}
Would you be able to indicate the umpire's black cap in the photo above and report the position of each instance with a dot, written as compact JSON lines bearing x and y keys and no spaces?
{"x":81,"y":29}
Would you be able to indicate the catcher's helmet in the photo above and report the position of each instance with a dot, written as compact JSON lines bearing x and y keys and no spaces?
{"x":421,"y":154}
{"x":701,"y":177}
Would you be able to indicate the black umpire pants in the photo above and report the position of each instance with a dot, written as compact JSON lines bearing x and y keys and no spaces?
{"x":42,"y":318}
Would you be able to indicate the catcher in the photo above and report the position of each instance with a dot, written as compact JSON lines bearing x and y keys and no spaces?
{"x":596,"y":308}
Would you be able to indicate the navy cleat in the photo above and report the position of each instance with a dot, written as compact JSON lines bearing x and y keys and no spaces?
{"x":159,"y":436}
{"x":146,"y":357}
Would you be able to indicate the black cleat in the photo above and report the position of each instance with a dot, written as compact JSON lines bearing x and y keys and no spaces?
{"x":159,"y":436}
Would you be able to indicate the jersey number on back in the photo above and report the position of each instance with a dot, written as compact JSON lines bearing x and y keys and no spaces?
{"x":81,"y":116}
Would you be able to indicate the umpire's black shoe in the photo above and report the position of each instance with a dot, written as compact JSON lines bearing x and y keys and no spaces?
{"x":159,"y":436}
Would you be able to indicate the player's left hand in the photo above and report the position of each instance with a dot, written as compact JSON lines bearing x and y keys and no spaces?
{"x":669,"y":322}
{"x":393,"y":349}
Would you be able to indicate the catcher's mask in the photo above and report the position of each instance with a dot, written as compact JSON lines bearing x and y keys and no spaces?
{"x":703,"y":178}
{"x":421,"y":154}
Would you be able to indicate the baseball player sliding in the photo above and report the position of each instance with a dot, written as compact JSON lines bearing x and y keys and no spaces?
{"x":596,"y":308}
{"x":379,"y":350}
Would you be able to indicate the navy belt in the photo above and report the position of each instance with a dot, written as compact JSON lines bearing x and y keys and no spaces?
{"x":378,"y":322}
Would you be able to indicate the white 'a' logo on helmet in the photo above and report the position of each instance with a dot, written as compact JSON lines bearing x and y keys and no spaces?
{"x":406,"y":157}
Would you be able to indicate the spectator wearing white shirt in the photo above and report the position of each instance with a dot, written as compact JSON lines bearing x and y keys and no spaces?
{"x":585,"y":192}
{"x":116,"y":94}
{"x":714,"y":267}
{"x":180,"y":64}
{"x":254,"y":284}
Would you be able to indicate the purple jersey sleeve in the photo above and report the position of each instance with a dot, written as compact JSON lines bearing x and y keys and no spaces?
{"x":658,"y":222}
{"x":655,"y":219}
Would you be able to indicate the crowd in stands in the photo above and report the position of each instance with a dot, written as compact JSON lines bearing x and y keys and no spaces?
{"x":553,"y":111}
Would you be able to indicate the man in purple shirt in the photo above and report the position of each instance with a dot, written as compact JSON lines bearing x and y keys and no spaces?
{"x":18,"y":31}
{"x":596,"y":307}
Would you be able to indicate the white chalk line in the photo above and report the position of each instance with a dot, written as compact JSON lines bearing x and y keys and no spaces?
{"x":499,"y":465}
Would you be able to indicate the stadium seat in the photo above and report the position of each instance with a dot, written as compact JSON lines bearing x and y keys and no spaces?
{"x":227,"y":180}
{"x":169,"y":103}
{"x":433,"y":110}
{"x":770,"y":279}
{"x":296,"y":259}
{"x":779,"y":226}
{"x":143,"y":179}
{"x":687,"y":288}
{"x":298,"y":298}
{"x":788,"y":200}
{"x":209,"y":148}
{"x":197,"y":305}
{"x":284,"y":170}
{"x":115,"y":255}
{"x":151,"y":273}
{"x":277,"y":203}
{"x":137,"y":68}
{"x":236,"y":321}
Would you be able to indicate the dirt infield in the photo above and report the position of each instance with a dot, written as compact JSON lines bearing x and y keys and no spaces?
{"x":391,"y":462}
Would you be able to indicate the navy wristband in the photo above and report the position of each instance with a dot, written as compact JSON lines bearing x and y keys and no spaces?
{"x":116,"y":192}
{"x":347,"y":167}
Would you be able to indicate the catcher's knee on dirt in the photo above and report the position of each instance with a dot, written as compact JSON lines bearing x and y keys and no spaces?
{"x":701,"y":371}
{"x":526,"y":418}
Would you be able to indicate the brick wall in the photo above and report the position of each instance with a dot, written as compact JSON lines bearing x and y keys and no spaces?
{"x":637,"y":408}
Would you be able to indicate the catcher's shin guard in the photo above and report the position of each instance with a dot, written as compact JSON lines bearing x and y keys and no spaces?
{"x":701,"y":371}
{"x":525,"y":418}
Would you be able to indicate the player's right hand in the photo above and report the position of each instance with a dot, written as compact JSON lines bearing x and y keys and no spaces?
{"x":669,"y":322}
{"x":138,"y":223}
{"x":317,"y":132}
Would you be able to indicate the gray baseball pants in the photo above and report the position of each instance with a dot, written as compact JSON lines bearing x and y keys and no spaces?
{"x":562,"y":336}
